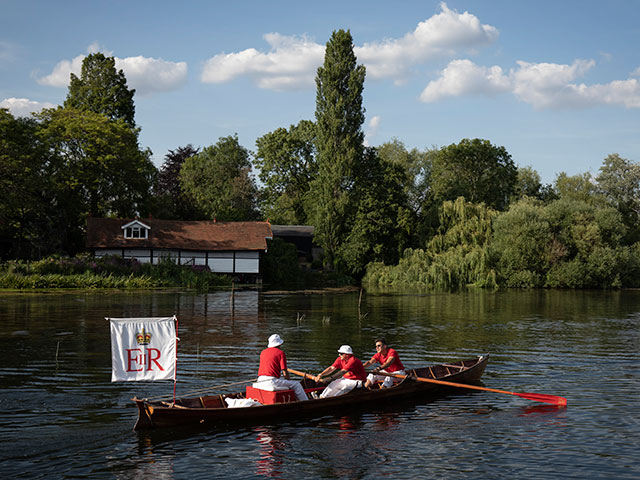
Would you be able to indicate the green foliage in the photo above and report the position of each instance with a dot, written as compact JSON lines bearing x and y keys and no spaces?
{"x":529,"y":185}
{"x":476,"y":170}
{"x":26,"y":203}
{"x":564,"y":244}
{"x":456,"y":257}
{"x":287,"y":163}
{"x":340,"y":142}
{"x":523,"y":245}
{"x":218,"y":181}
{"x":279,"y":266}
{"x":381,"y":221}
{"x":101,"y":89}
{"x":87,"y":272}
{"x":170,"y":201}
{"x":619,"y":182}
{"x":96,"y":168}
{"x":580,"y":188}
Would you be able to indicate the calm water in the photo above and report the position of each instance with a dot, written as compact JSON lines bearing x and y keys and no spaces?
{"x":62,"y":418}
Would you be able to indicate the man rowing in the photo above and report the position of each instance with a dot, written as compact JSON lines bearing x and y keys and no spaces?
{"x":350,"y":367}
{"x":389,"y":363}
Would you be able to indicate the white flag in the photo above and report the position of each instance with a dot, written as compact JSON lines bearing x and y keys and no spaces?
{"x":143,"y":349}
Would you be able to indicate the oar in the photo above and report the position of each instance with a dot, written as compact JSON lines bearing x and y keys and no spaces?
{"x":536,"y":397}
{"x":302,"y":374}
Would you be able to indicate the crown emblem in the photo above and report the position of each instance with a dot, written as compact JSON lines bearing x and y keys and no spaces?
{"x":143,"y":338}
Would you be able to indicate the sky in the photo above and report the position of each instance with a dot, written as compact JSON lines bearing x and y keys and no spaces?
{"x":557,"y":83}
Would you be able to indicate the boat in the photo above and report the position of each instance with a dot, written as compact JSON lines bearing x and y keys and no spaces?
{"x":213,"y":410}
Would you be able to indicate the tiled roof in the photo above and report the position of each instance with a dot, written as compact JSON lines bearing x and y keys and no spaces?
{"x":185,"y":235}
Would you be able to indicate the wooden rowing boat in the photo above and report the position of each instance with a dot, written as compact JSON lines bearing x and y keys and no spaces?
{"x":212,"y":410}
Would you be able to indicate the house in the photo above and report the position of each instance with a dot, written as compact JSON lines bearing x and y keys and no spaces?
{"x":224,"y":247}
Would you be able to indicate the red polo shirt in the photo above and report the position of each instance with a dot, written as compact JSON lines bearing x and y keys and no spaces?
{"x":354,"y":367}
{"x":272,"y":362}
{"x":395,"y":366}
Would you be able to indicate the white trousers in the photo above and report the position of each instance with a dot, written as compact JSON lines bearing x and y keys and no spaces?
{"x":386,"y":381}
{"x":273,"y":384}
{"x":340,"y":387}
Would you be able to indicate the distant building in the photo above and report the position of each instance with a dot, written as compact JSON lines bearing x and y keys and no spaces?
{"x":302,"y":237}
{"x":224,"y":247}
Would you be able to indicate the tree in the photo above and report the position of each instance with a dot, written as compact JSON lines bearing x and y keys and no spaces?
{"x":340,"y":142}
{"x":26,"y":230}
{"x":581,"y":187}
{"x":529,"y":185}
{"x":171,"y":202}
{"x":97,"y":168}
{"x":381,"y":222}
{"x":456,"y":257}
{"x":417,"y":167}
{"x":287,"y":163}
{"x":476,"y":170}
{"x":102,"y":89}
{"x":619,"y":182}
{"x":218,"y":181}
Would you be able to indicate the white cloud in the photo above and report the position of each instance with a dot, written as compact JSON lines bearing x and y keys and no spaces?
{"x":463,"y":77}
{"x":372,"y":129}
{"x":151,"y":75}
{"x":636,"y":72}
{"x":542,"y":85}
{"x":147,"y":75}
{"x":60,"y":75}
{"x":442,"y":34}
{"x":548,"y":85}
{"x":292,"y":62}
{"x":23,"y":107}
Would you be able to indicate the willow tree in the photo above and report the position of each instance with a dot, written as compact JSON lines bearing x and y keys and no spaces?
{"x":340,"y":143}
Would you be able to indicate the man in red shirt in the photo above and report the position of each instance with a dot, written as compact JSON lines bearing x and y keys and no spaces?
{"x":352,"y":370}
{"x":273,"y":364}
{"x":389,"y":363}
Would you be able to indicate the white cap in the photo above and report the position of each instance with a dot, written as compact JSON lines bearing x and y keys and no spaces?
{"x":275,"y":340}
{"x":345,"y":349}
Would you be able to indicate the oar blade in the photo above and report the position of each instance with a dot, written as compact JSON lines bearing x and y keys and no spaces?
{"x":541,"y":397}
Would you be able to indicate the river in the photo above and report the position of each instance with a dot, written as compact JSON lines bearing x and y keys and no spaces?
{"x":63,"y":418}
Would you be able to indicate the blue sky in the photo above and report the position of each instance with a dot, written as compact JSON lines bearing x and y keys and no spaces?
{"x":557,"y":83}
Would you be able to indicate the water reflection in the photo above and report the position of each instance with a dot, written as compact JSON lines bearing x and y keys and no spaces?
{"x":272,"y":448}
{"x":63,"y":417}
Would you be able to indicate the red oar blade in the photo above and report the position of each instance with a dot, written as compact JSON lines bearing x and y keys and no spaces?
{"x":541,"y":397}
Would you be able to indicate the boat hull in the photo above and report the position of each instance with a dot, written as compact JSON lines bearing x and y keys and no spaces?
{"x":182,"y":412}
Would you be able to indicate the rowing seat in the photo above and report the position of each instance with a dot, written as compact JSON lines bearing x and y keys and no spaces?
{"x":267,"y":397}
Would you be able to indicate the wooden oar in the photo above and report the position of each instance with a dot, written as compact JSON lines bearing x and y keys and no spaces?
{"x":536,"y":397}
{"x":302,"y":374}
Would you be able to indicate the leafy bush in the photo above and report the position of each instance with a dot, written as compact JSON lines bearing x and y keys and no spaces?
{"x":106,"y":272}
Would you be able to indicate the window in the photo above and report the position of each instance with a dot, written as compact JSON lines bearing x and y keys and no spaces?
{"x":135,"y":231}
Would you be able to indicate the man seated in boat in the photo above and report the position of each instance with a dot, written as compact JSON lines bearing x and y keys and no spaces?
{"x":389,"y":363}
{"x":273,"y":366}
{"x":352,"y":370}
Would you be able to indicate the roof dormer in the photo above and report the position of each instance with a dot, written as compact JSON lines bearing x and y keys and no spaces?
{"x":136,"y":230}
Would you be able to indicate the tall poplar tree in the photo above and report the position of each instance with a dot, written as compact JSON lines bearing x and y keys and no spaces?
{"x":340,"y":142}
{"x":102,"y":89}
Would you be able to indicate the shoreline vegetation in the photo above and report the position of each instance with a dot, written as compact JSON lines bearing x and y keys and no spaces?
{"x":85,"y":272}
{"x":109,"y":272}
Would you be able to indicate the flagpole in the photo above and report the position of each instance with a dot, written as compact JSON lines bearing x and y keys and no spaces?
{"x":175,"y":365}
